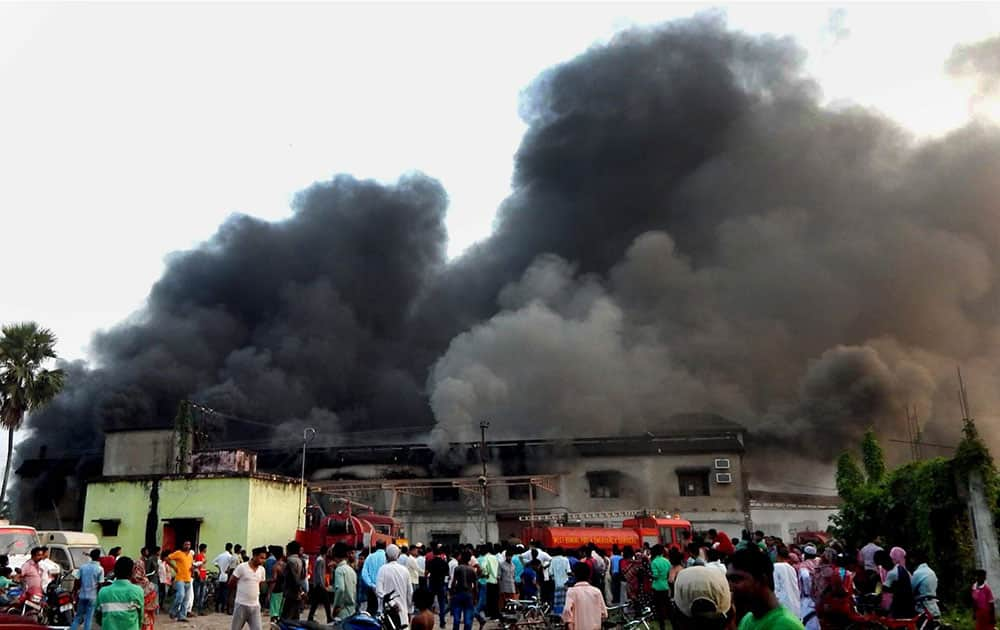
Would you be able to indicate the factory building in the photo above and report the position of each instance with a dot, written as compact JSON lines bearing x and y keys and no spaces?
{"x":155,"y":485}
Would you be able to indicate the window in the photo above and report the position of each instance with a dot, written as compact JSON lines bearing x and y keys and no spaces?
{"x":518,"y":493}
{"x":605,"y":484}
{"x":448,"y":539}
{"x":109,"y":526}
{"x":444,"y":494}
{"x":60,"y":557}
{"x":693,"y":483}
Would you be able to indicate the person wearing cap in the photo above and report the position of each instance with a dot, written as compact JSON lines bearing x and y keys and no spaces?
{"x":703,"y":599}
{"x":393,"y":579}
{"x":585,"y":608}
{"x":751,"y":580}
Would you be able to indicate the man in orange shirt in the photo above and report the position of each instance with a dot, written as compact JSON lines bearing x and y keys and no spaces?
{"x":181,"y":561}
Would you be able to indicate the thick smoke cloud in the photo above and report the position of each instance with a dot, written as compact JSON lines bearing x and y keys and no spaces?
{"x":302,"y":320}
{"x":689,"y":230}
{"x":727,"y":244}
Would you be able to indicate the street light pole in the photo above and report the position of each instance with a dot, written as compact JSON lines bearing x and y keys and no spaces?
{"x":483,"y":481}
{"x":307,"y":436}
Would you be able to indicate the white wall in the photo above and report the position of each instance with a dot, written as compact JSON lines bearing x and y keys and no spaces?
{"x":784,"y":523}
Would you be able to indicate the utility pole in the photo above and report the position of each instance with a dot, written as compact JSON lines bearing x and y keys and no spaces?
{"x":307,"y":436}
{"x":483,"y":481}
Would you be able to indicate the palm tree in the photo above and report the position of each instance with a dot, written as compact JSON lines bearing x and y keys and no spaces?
{"x":25,"y":385}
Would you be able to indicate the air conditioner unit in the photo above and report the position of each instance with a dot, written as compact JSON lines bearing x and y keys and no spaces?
{"x":722,"y":463}
{"x":723,"y":478}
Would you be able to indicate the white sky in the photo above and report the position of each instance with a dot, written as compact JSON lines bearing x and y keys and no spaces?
{"x":128,"y":131}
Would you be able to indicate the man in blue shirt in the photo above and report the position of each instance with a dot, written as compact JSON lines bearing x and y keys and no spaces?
{"x":91,"y":575}
{"x":369,"y":574}
{"x":924,"y":583}
{"x":616,"y":574}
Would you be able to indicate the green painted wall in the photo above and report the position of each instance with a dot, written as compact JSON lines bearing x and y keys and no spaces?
{"x":222,"y":503}
{"x":274,"y":511}
{"x":125,"y":500}
{"x":241,"y":510}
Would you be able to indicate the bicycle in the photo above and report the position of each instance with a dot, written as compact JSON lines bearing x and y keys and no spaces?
{"x":521,"y":614}
{"x":620,"y":617}
{"x":867,"y":614}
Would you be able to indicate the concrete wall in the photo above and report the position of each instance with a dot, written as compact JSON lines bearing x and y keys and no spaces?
{"x":244,"y":510}
{"x":983,"y":531}
{"x":784,"y":523}
{"x":140,"y":453}
{"x":274,"y":510}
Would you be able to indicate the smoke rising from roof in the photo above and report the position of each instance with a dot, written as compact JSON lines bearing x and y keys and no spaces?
{"x":689,"y":230}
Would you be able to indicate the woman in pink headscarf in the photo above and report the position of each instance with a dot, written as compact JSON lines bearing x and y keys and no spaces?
{"x":897,"y":581}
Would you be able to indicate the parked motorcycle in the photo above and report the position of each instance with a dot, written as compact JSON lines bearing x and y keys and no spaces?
{"x":31,"y":606}
{"x":59,"y":603}
{"x":388,"y":619}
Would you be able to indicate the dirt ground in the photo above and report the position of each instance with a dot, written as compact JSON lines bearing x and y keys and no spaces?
{"x":218,"y":621}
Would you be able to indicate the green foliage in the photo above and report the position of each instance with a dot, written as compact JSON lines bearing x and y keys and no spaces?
{"x":959,"y":618}
{"x":850,"y":481}
{"x":921,"y":505}
{"x":25,"y":383}
{"x":872,"y":457}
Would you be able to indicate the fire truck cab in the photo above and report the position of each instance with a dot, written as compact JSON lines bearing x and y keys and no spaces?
{"x":670,"y":532}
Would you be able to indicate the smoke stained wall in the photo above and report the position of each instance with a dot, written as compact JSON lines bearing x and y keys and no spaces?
{"x":689,"y":230}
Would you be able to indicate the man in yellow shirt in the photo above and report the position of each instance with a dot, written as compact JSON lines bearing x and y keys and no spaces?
{"x":181,"y":562}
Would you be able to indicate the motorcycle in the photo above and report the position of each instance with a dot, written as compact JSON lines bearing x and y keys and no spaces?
{"x":392,"y":618}
{"x":31,"y":606}
{"x":59,"y":603}
{"x":388,"y":619}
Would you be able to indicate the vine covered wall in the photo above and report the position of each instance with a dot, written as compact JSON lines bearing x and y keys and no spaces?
{"x":919,"y":506}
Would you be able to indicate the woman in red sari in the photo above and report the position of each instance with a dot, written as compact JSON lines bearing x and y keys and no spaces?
{"x":982,"y":603}
{"x":149,"y":593}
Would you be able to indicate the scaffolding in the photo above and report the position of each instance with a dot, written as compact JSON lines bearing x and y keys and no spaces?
{"x":424,"y":487}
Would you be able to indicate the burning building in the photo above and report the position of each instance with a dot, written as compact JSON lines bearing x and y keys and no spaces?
{"x":689,"y":228}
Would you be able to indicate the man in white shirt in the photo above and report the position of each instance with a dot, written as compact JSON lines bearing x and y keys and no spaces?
{"x":225,"y":562}
{"x":421,"y":565}
{"x":545,"y":559}
{"x":452,"y":563}
{"x":247,"y":578}
{"x":394,"y":578}
{"x":50,"y":569}
{"x":786,"y":583}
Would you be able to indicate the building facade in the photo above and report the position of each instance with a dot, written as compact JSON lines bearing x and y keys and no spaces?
{"x":248,"y":508}
{"x":694,"y":471}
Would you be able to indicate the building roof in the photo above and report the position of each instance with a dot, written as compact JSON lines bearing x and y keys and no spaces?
{"x":458,"y":454}
{"x":194,"y":476}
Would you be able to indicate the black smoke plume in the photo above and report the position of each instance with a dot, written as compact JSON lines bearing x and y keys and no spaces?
{"x":689,"y":230}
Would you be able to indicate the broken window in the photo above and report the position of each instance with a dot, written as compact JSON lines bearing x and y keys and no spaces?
{"x":448,"y":493}
{"x":693,"y":483}
{"x":605,"y":484}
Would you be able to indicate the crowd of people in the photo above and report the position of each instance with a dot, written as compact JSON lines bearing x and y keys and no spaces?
{"x":701,"y":584}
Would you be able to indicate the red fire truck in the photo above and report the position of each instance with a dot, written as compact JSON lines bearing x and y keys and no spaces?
{"x":353,"y":528}
{"x":638,"y":528}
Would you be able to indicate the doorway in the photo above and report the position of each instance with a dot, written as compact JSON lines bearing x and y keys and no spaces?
{"x":178,"y":530}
